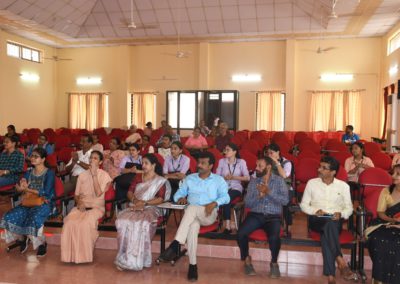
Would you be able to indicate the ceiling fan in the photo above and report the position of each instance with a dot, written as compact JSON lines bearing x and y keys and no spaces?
{"x":130,"y":23}
{"x":335,"y":15}
{"x":56,"y":58}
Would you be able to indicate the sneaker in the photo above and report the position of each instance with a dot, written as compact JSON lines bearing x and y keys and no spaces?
{"x":192,"y":273}
{"x":168,"y":255}
{"x":24,"y":245}
{"x":274,"y":270}
{"x":249,"y":270}
{"x":42,"y":250}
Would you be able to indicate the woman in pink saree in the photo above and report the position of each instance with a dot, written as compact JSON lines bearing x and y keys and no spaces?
{"x":79,"y":233}
{"x":137,"y":224}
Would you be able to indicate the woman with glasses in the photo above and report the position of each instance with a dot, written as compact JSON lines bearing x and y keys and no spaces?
{"x":25,"y":224}
{"x":234,"y":171}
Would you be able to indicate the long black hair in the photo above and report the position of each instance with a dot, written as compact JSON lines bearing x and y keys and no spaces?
{"x":153,"y":160}
{"x":392,"y":186}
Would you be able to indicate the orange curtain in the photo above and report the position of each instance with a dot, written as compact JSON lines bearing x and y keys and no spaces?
{"x":88,"y":110}
{"x":142,"y":109}
{"x":271,"y":111}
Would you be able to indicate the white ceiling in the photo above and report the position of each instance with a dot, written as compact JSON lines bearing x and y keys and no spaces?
{"x":86,"y":22}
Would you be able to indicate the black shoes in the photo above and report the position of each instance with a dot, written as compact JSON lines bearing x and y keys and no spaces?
{"x":168,"y":255}
{"x":42,"y":250}
{"x":192,"y":273}
{"x":23,"y":245}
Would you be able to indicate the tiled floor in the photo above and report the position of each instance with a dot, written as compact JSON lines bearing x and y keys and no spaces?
{"x":17,"y":268}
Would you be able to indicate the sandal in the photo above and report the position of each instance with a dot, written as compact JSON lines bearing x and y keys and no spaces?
{"x":347,"y":274}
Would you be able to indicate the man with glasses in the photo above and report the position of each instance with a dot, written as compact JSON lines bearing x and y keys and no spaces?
{"x":327,"y":200}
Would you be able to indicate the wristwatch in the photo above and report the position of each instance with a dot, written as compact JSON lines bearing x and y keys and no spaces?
{"x":78,"y":162}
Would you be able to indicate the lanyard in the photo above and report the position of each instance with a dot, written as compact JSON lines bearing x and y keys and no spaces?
{"x":234,"y":167}
{"x":179,"y":163}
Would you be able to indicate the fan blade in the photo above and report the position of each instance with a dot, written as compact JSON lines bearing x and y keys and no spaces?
{"x":147,"y":26}
{"x":328,"y":48}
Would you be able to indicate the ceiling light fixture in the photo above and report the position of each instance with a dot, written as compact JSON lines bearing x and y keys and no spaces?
{"x":246,"y":78}
{"x":336,"y":77}
{"x":89,"y":81}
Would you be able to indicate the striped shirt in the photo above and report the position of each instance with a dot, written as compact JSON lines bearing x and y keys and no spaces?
{"x":271,"y":203}
{"x":13,"y":162}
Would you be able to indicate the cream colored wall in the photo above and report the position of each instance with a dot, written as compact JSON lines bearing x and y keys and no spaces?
{"x":358,"y":56}
{"x":26,"y":104}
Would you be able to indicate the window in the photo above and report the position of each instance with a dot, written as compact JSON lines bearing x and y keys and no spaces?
{"x":23,"y":52}
{"x":394,"y":42}
{"x":88,"y":110}
{"x":185,"y":109}
{"x":142,"y":108}
{"x":270,"y":111}
{"x":333,"y":110}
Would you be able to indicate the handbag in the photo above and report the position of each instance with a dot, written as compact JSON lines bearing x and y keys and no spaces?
{"x":32,"y":200}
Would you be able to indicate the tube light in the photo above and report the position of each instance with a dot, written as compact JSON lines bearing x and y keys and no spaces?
{"x":336,"y":77}
{"x":246,"y":78}
{"x":30,"y":77}
{"x":393,"y":70}
{"x":89,"y":81}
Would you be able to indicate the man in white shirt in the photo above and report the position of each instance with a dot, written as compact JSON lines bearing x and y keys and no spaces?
{"x":78,"y":163}
{"x":327,"y":200}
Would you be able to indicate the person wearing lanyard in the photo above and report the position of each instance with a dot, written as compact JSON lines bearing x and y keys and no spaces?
{"x":176,"y":166}
{"x":234,"y":171}
{"x":130,"y":166}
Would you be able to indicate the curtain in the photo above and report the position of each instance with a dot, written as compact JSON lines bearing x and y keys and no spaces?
{"x":88,"y":110}
{"x":270,"y":111}
{"x":333,"y":110}
{"x":142,"y":109}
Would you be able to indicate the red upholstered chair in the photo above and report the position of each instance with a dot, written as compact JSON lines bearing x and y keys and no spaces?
{"x":52,"y":161}
{"x":308,"y":154}
{"x":371,"y":148}
{"x":192,"y":165}
{"x":259,"y":235}
{"x":183,"y":140}
{"x":372,"y":181}
{"x":307,"y":169}
{"x":341,"y":157}
{"x":252,"y":146}
{"x":309,"y":145}
{"x":382,"y":160}
{"x":105,"y":141}
{"x":100,"y":131}
{"x":300,"y":136}
{"x":159,"y":158}
{"x":62,"y":141}
{"x":75,"y":140}
{"x":336,"y":147}
{"x":238,"y":140}
{"x":342,"y":174}
{"x":250,"y":159}
{"x":210,"y":141}
{"x":65,"y":154}
{"x":217,"y":155}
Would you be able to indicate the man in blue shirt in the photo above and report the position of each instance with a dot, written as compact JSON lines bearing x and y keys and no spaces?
{"x":204,"y":192}
{"x":267,"y":193}
{"x":350,"y":137}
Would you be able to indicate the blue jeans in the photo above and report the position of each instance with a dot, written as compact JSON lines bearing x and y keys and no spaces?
{"x":6,"y":181}
{"x":271,"y":224}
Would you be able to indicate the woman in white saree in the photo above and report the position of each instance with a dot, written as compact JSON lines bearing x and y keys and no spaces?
{"x":137,"y":224}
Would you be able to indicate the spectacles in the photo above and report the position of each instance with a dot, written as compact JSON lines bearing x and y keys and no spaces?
{"x":35,"y":156}
{"x":324,"y":168}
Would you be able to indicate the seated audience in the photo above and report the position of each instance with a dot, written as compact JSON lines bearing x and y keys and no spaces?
{"x":24,"y":224}
{"x":165,"y":148}
{"x":176,"y":166}
{"x":204,"y":192}
{"x":396,"y":160}
{"x":355,"y":165}
{"x":266,"y":194}
{"x":79,"y":233}
{"x":234,"y":171}
{"x":113,"y":158}
{"x":96,"y":145}
{"x":137,"y":224}
{"x":203,"y":128}
{"x":223,"y":138}
{"x":149,"y":129}
{"x":350,"y":137}
{"x":130,"y":165}
{"x":133,"y":137}
{"x":11,"y":161}
{"x":283,"y":168}
{"x":11,"y":131}
{"x":384,"y":234}
{"x":163,"y":127}
{"x":327,"y":202}
{"x":41,"y":143}
{"x":170,"y":132}
{"x":196,"y":142}
{"x":146,"y":147}
{"x":78,"y":163}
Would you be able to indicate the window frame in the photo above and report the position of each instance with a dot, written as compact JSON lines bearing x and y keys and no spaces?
{"x":395,"y":36}
{"x":196,"y":119}
{"x":21,"y":47}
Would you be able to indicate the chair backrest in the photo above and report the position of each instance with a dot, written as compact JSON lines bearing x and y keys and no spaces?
{"x":309,"y":145}
{"x":337,"y":146}
{"x":52,"y":160}
{"x":159,"y":158}
{"x":250,"y":159}
{"x":299,"y":137}
{"x":308,"y":154}
{"x":342,"y":174}
{"x":307,"y":169}
{"x":341,"y":157}
{"x":371,"y":148}
{"x":252,"y":146}
{"x":62,"y":141}
{"x":65,"y":154}
{"x":372,"y":181}
{"x":382,"y":160}
{"x":210,"y":141}
{"x":192,"y":165}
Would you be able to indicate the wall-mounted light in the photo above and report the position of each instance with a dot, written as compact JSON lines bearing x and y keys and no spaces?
{"x":29,"y":77}
{"x":89,"y":81}
{"x":336,"y":77}
{"x":393,"y":70}
{"x":246,"y":78}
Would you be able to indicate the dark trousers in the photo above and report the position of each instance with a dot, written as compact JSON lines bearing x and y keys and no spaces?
{"x":174,"y":186}
{"x":271,"y":224}
{"x":226,"y":209}
{"x":330,"y":231}
{"x":287,"y":215}
{"x":122,"y":184}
